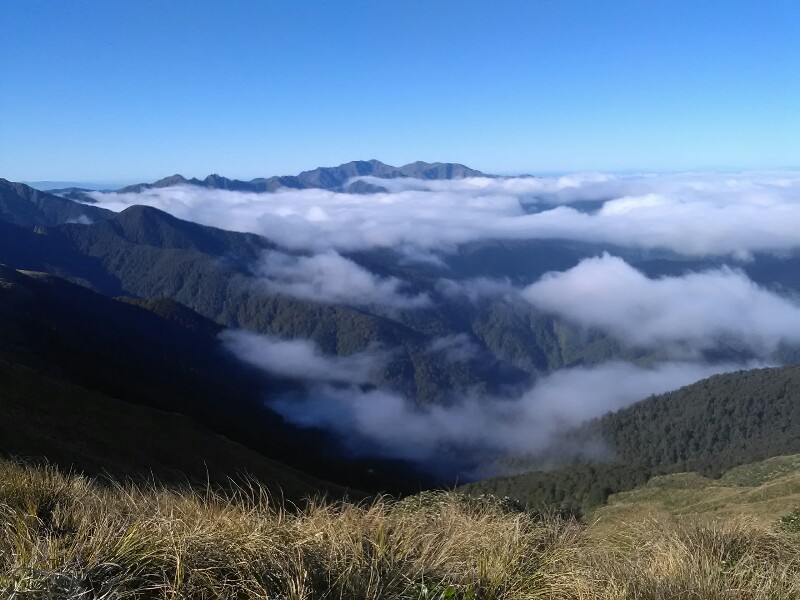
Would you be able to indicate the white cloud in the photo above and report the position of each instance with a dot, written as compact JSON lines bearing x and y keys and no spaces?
{"x":331,"y":278}
{"x":694,"y":312}
{"x":81,"y":220}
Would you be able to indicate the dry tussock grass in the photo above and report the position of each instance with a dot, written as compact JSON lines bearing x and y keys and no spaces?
{"x":63,"y":536}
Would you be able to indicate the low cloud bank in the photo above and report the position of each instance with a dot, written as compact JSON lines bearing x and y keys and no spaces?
{"x":691,"y":317}
{"x":691,"y":214}
{"x":685,"y":315}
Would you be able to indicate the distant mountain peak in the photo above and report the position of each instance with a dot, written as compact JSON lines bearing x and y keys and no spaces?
{"x":176,"y":179}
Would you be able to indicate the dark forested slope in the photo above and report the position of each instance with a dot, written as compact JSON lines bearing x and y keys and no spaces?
{"x":46,"y":418}
{"x":712,"y":425}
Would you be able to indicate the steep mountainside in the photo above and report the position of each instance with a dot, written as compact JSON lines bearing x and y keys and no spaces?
{"x":146,"y":253}
{"x":46,"y":418}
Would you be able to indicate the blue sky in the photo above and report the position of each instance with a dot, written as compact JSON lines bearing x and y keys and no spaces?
{"x":124,"y":91}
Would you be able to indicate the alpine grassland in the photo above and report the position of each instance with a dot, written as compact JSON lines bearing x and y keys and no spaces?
{"x":64,"y":535}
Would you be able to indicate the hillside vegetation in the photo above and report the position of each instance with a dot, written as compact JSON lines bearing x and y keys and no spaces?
{"x":66,"y":537}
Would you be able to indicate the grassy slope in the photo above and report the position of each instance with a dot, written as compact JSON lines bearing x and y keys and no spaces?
{"x":763,"y":491}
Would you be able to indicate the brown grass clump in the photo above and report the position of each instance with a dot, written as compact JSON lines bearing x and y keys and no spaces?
{"x":666,"y":558}
{"x":63,"y":536}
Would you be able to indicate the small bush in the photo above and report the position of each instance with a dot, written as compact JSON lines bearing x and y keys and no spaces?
{"x":791,"y":522}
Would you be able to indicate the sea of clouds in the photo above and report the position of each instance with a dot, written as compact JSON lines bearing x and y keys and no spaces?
{"x":727,"y":217}
{"x":691,"y":214}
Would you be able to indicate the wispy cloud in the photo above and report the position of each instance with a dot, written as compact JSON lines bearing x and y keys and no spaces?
{"x":455,"y":348}
{"x":478,"y":289}
{"x":81,"y":220}
{"x":468,"y":433}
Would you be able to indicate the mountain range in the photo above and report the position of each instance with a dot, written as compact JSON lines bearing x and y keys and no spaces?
{"x":328,"y":178}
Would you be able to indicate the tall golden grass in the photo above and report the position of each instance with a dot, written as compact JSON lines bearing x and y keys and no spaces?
{"x":64,"y":536}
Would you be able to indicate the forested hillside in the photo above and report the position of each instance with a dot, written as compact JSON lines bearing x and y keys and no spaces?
{"x":708,"y":427}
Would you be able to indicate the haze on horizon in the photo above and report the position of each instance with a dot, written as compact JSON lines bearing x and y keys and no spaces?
{"x":99,"y":91}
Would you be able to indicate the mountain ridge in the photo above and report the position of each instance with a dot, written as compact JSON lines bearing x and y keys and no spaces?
{"x":25,"y":206}
{"x":329,"y":178}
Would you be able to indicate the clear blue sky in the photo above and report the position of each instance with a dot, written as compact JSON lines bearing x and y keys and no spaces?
{"x":111,"y":90}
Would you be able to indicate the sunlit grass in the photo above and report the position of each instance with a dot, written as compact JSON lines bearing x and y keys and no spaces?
{"x":63,"y":536}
